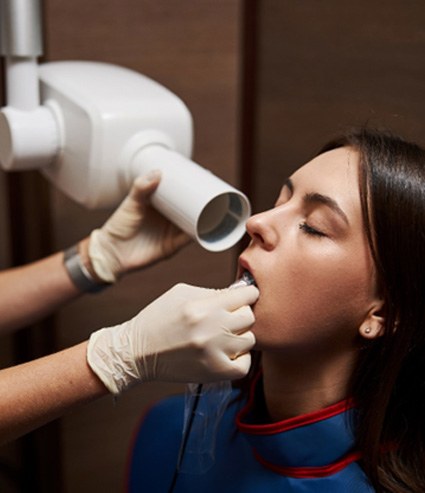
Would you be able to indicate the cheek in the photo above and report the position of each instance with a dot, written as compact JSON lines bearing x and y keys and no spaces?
{"x":310,"y":305}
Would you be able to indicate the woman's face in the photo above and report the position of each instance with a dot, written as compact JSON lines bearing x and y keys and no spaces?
{"x":310,"y":258}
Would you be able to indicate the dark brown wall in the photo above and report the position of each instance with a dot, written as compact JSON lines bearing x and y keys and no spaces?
{"x":323,"y":66}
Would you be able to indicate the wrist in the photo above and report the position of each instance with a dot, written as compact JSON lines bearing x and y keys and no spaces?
{"x":110,"y":357}
{"x":78,"y":266}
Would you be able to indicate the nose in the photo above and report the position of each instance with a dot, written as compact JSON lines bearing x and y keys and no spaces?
{"x":261,"y":230}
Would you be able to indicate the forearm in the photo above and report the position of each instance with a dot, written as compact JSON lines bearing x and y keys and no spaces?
{"x":33,"y":291}
{"x":44,"y":389}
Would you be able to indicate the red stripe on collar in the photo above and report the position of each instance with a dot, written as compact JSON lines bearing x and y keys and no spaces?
{"x":291,"y":423}
{"x":311,"y":472}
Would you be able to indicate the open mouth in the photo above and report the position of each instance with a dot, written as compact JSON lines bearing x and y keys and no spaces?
{"x":248,"y":278}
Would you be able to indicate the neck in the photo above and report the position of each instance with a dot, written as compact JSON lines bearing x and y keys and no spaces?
{"x":302,"y":384}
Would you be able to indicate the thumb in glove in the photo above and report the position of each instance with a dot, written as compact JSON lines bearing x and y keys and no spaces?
{"x":135,"y":236}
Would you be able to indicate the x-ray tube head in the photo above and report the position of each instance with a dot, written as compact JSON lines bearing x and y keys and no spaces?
{"x":201,"y":204}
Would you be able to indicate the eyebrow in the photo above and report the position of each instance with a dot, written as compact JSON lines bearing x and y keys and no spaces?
{"x":318,"y":198}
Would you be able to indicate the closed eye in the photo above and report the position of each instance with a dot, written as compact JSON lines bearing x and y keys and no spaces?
{"x":309,"y":230}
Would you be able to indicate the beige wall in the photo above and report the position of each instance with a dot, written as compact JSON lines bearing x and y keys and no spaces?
{"x":191,"y":47}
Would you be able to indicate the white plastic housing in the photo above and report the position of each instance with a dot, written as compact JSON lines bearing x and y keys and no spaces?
{"x":101,"y":110}
{"x":28,"y":139}
{"x":28,"y":132}
{"x":207,"y":208}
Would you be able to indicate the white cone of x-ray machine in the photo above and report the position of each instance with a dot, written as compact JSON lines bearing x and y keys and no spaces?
{"x":204,"y":206}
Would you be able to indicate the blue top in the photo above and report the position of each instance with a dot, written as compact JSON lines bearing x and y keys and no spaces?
{"x":310,"y":453}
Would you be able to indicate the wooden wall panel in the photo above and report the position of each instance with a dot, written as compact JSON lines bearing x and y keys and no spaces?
{"x":192,"y":47}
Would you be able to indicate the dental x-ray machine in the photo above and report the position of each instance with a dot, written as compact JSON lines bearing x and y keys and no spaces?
{"x":91,"y":128}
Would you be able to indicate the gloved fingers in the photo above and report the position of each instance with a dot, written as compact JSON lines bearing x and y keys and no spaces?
{"x":144,"y":186}
{"x":240,"y":344}
{"x":229,"y":299}
{"x":180,"y":240}
{"x":199,"y":300}
{"x":173,"y":237}
{"x":240,"y":320}
{"x":127,"y":217}
{"x":206,"y":301}
{"x":232,"y":299}
{"x":232,"y":346}
{"x":185,"y":292}
{"x":240,"y":366}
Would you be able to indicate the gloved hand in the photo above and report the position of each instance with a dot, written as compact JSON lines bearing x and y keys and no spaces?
{"x":188,"y":334}
{"x":136,"y":235}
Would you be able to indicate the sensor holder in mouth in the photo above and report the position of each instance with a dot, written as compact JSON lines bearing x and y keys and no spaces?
{"x":245,"y":280}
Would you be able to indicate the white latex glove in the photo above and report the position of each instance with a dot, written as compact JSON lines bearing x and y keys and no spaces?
{"x":135,"y":235}
{"x":188,"y":334}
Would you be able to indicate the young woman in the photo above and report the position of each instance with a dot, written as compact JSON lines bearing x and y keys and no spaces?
{"x":339,"y":401}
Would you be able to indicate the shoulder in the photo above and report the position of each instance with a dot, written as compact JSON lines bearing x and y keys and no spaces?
{"x":167,"y":415}
{"x":156,"y":444}
{"x":157,"y":439}
{"x":162,"y":417}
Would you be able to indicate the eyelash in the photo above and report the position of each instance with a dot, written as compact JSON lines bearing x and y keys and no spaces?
{"x":311,"y":231}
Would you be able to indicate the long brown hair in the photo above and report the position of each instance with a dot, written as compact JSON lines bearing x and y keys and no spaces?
{"x":388,"y":384}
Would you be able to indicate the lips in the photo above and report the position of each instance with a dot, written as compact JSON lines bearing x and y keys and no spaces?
{"x":245,"y":272}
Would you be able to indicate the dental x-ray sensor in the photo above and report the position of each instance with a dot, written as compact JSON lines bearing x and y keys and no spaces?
{"x":92,"y":128}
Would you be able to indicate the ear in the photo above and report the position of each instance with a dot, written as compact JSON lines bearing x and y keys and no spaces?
{"x":373,"y":324}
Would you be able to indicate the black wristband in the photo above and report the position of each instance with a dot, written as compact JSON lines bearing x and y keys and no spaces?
{"x":79,"y":274}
